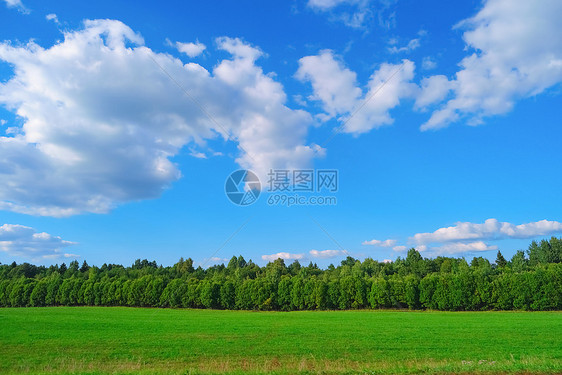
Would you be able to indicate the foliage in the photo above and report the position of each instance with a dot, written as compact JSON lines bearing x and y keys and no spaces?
{"x":533,"y":283}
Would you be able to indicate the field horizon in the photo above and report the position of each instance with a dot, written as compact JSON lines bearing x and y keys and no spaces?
{"x":129,"y":340}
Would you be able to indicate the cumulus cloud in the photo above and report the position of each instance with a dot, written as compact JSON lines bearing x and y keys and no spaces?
{"x":328,"y":4}
{"x":468,"y":238}
{"x":335,"y":87}
{"x":317,"y":254}
{"x":327,"y":253}
{"x":101,"y":120}
{"x":387,"y":86}
{"x":13,"y":3}
{"x":52,"y":17}
{"x":358,"y":14}
{"x":26,"y":242}
{"x":190,"y":49}
{"x":282,"y":255}
{"x":458,"y":248}
{"x":515,"y":53}
{"x":421,"y":248}
{"x":332,"y":83}
{"x":17,"y":4}
{"x":428,"y":63}
{"x":412,"y":45}
{"x":353,"y":13}
{"x":272,"y":135}
{"x":490,"y":229}
{"x":453,"y":248}
{"x":432,"y":90}
{"x":385,"y":243}
{"x":197,"y":154}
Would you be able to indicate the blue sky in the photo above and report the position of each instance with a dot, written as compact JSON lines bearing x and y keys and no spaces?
{"x":442,"y":120}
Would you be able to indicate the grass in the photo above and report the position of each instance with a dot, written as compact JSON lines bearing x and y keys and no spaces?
{"x":102,"y":340}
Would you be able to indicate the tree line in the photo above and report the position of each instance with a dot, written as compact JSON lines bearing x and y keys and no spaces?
{"x":531,"y":280}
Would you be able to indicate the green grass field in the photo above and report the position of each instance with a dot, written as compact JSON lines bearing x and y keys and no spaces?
{"x":132,"y":340}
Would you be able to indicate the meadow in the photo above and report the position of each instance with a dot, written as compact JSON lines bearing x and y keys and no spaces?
{"x":121,"y":340}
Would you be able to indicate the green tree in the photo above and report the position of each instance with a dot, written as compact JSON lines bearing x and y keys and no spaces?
{"x":500,"y":260}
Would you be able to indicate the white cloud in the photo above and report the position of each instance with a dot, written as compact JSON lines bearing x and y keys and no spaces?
{"x":197,"y":154}
{"x":300,"y":100}
{"x":411,"y":46}
{"x":328,"y":4}
{"x":335,"y":86}
{"x":449,"y":248}
{"x":421,"y":248}
{"x":101,"y":119}
{"x":22,"y":241}
{"x":433,"y":89}
{"x":353,"y":13}
{"x":490,"y":229}
{"x":385,"y":243}
{"x":190,"y":49}
{"x":271,"y":134}
{"x":387,"y":261}
{"x":52,"y":17}
{"x":458,"y":248}
{"x":17,"y":4}
{"x":282,"y":255}
{"x":327,"y":253}
{"x":516,"y":54}
{"x":216,"y":260}
{"x":387,"y":87}
{"x":539,"y":228}
{"x":428,"y":63}
{"x":322,"y":254}
{"x":467,"y":237}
